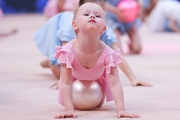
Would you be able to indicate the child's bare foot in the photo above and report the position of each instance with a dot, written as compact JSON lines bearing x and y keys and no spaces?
{"x":45,"y":63}
{"x":4,"y":34}
{"x":14,"y":31}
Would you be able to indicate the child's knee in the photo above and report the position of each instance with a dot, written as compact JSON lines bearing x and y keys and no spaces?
{"x":55,"y":70}
{"x":137,"y":51}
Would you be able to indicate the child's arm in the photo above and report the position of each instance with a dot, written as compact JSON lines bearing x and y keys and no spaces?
{"x":70,"y":5}
{"x":66,"y":87}
{"x":129,"y":73}
{"x":173,"y":25}
{"x":117,"y":93}
{"x":60,"y":4}
{"x":114,"y":10}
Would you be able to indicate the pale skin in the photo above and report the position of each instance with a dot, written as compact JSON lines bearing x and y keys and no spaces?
{"x":129,"y":73}
{"x":89,"y":24}
{"x":115,"y":11}
{"x":123,"y":66}
{"x":60,"y":5}
{"x":13,"y":31}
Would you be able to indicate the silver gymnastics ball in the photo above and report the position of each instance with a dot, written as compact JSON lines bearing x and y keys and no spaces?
{"x":86,"y":94}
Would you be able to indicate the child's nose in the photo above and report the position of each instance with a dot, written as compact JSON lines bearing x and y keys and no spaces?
{"x":92,"y":16}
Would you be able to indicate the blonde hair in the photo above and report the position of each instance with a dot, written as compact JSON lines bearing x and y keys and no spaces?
{"x":74,"y":18}
{"x":75,"y":13}
{"x":76,"y":10}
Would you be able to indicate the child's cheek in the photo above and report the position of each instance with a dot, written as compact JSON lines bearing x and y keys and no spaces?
{"x":81,"y":20}
{"x":102,"y":23}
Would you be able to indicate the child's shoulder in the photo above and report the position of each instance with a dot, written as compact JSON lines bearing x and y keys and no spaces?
{"x":67,"y":45}
{"x":107,"y":49}
{"x":70,"y":44}
{"x":111,"y":57}
{"x":110,"y":53}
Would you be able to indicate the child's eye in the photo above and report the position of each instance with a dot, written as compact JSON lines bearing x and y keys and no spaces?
{"x":98,"y":16}
{"x":86,"y":14}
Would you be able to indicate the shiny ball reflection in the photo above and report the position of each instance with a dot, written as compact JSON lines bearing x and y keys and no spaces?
{"x":86,"y":94}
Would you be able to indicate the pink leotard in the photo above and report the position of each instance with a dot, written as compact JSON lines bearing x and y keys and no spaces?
{"x":108,"y":58}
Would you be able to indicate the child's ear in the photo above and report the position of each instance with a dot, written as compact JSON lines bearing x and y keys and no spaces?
{"x":74,"y":25}
{"x":103,"y":30}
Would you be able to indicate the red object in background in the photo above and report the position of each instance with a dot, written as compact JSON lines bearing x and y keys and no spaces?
{"x":129,"y":9}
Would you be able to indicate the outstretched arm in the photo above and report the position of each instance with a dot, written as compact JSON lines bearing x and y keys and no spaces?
{"x":66,"y":91}
{"x":117,"y":93}
{"x":129,"y":73}
{"x":114,"y":10}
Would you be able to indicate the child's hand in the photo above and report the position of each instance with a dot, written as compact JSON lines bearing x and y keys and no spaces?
{"x":141,"y":83}
{"x":67,"y":114}
{"x":119,"y":15}
{"x":122,"y":113}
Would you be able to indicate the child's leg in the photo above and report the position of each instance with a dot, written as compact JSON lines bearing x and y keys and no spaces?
{"x":118,"y":36}
{"x":45,"y":63}
{"x":135,"y":45}
{"x":55,"y":70}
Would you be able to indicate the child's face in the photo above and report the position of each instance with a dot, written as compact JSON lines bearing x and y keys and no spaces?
{"x":90,"y":16}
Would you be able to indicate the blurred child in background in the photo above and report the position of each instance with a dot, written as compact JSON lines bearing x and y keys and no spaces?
{"x":147,"y":7}
{"x":7,"y":33}
{"x":54,"y":7}
{"x":116,"y":21}
{"x":165,"y":16}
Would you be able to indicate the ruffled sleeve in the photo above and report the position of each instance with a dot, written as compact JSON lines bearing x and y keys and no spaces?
{"x":64,"y":56}
{"x":113,"y":60}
